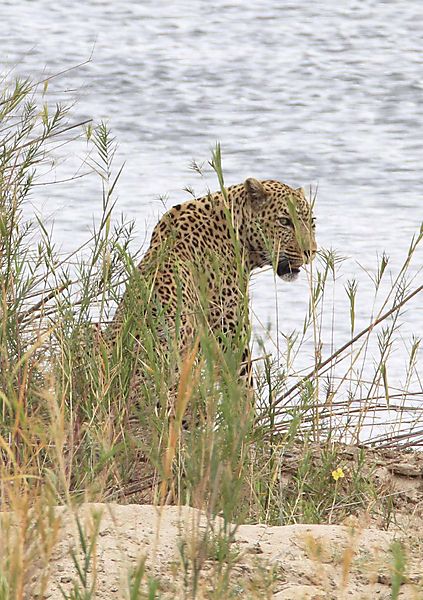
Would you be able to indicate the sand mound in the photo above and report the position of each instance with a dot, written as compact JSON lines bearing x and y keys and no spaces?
{"x":168,"y":546}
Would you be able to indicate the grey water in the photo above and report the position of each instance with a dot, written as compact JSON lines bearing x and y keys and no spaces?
{"x":323,"y":93}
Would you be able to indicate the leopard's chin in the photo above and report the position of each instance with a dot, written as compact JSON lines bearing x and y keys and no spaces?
{"x":292,"y":276}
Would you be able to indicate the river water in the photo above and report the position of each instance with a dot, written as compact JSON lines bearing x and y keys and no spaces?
{"x":320,"y":93}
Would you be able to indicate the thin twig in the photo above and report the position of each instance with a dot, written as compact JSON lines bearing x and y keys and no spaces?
{"x":43,"y":301}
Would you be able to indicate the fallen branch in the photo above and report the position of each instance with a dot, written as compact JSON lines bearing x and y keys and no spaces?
{"x":352,"y":341}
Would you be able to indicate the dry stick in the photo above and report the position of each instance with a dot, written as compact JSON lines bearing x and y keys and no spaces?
{"x":63,"y":180}
{"x":307,"y":424}
{"x":339,"y":407}
{"x":44,"y":300}
{"x":384,"y":441}
{"x":346,"y":345}
{"x":60,"y":73}
{"x":33,"y":86}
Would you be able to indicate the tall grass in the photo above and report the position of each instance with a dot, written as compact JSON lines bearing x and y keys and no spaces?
{"x":71,"y":427}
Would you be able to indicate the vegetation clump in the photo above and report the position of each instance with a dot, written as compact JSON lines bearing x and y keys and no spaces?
{"x":68,"y":434}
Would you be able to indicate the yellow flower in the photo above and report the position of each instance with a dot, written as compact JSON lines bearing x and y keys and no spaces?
{"x":338,"y":473}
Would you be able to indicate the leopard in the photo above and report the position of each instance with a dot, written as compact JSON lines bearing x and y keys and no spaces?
{"x":198,"y":266}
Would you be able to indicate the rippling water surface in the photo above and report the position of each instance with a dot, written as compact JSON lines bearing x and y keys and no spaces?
{"x":322,"y":93}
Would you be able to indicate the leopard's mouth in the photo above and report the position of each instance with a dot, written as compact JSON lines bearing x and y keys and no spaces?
{"x":286,"y":271}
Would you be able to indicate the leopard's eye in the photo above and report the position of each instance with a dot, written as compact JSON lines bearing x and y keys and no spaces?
{"x":285,"y":222}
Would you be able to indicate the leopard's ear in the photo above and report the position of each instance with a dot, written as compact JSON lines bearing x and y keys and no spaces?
{"x":300,"y":190}
{"x":256,"y":193}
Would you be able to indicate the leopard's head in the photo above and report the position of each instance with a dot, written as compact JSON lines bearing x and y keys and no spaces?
{"x":280,"y":230}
